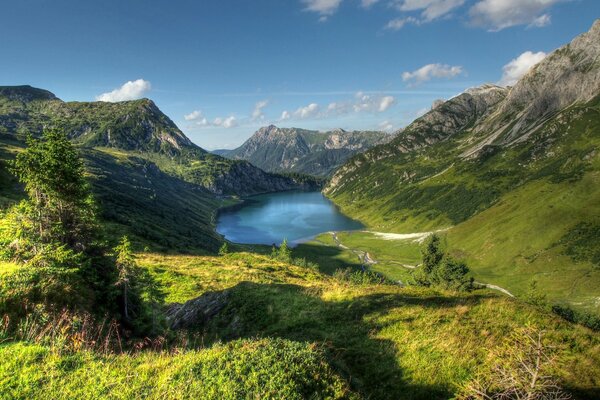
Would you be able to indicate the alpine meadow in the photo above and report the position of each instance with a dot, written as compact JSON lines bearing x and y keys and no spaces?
{"x":303,"y":199}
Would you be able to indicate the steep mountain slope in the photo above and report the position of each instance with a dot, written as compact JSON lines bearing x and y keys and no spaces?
{"x":298,"y":150}
{"x":481,"y":160}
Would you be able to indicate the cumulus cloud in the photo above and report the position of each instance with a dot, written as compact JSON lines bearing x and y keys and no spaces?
{"x":228,"y":122}
{"x":130,"y":90}
{"x":429,"y":71}
{"x":325,"y":8}
{"x":194,"y":115}
{"x":496,"y":15}
{"x":200,"y":120}
{"x":430,"y":9}
{"x":309,"y":111}
{"x":386,"y":126}
{"x":399,"y":23}
{"x":360,"y":103}
{"x":385,"y":103}
{"x":519,"y":66}
{"x":371,"y":103}
{"x":257,"y":113}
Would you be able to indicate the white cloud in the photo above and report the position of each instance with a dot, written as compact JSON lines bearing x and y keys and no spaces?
{"x":496,"y":15}
{"x":431,"y":9}
{"x":311,"y":110}
{"x":130,"y":90}
{"x":257,"y":113}
{"x":399,"y":23}
{"x":368,"y":103}
{"x":228,"y":122}
{"x":360,"y":103}
{"x":519,"y":66}
{"x":385,"y":103}
{"x":324,"y":8}
{"x":386,"y":126}
{"x":203,"y":122}
{"x":194,"y":115}
{"x":541,"y":21}
{"x":429,"y":71}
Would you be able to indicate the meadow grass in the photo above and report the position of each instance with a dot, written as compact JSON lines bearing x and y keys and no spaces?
{"x":387,"y":341}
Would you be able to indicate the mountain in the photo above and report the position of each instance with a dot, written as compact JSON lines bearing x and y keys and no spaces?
{"x":137,"y":127}
{"x":512,"y":172}
{"x":299,"y":150}
{"x":148,"y":177}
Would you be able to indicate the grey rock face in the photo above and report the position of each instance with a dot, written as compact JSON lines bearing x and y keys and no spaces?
{"x":196,"y":312}
{"x":569,"y":75}
{"x":298,"y":150}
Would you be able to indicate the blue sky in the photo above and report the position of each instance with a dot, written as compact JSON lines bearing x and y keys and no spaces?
{"x":221,"y":69}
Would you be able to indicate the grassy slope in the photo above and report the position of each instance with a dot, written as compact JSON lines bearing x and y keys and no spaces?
{"x":393,"y":342}
{"x":136,"y":198}
{"x":384,"y":342}
{"x":521,"y":238}
{"x":271,"y":368}
{"x":510,"y":207}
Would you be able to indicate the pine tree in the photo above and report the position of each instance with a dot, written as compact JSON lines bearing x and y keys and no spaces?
{"x":126,"y":267}
{"x":284,"y":253}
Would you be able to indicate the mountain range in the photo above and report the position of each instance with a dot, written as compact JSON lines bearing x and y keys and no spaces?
{"x":304,"y":151}
{"x":511,"y":173}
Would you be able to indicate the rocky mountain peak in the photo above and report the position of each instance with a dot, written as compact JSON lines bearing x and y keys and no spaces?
{"x":569,"y":75}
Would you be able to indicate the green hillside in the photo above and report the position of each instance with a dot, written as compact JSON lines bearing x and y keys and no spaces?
{"x":519,"y":194}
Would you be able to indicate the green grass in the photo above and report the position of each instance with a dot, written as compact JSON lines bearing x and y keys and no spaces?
{"x":244,"y":369}
{"x":520,"y":239}
{"x":519,"y":213}
{"x":289,"y":331}
{"x":390,"y":342}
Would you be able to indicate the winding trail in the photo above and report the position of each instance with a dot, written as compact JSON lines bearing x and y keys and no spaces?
{"x":366,"y":260}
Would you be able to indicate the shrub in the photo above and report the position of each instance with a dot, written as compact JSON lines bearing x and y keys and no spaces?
{"x":519,"y":369}
{"x":359,"y":278}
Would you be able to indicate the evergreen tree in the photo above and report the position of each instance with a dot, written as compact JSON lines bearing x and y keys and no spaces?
{"x":224,"y":249}
{"x":126,"y":266}
{"x":284,"y":253}
{"x":52,"y":232}
{"x":60,"y":206}
{"x":441,"y":270}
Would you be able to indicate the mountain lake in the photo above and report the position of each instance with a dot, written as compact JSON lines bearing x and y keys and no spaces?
{"x":269,"y":218}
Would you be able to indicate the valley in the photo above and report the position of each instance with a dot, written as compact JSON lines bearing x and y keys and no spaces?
{"x":455,"y":258}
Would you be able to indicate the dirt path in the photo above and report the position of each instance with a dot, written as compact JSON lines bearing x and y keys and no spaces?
{"x":366,"y":260}
{"x":364,"y":257}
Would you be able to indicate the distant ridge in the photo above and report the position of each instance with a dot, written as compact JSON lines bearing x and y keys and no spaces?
{"x":305,"y":151}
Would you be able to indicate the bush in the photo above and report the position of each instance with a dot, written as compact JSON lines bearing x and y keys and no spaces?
{"x":579,"y":317}
{"x":519,"y":369}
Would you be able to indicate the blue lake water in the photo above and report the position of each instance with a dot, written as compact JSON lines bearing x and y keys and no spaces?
{"x":270,"y":218}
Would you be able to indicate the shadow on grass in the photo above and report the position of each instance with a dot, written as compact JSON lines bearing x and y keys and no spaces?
{"x":290,"y":312}
{"x":328,"y":258}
